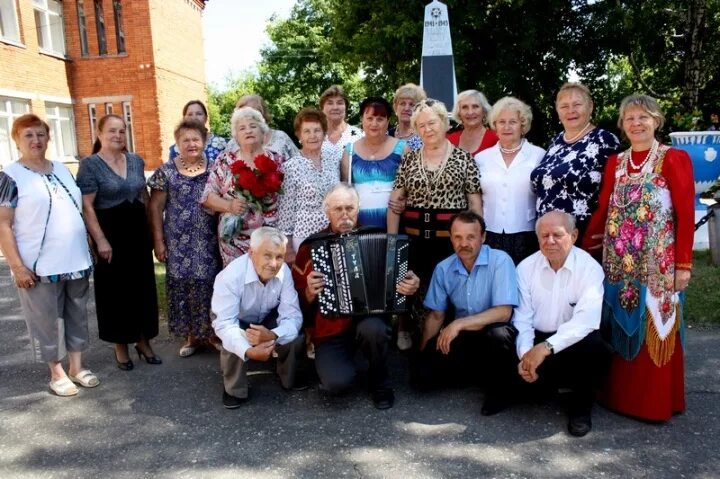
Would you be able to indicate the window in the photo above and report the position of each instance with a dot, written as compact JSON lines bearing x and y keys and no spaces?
{"x":49,"y":24}
{"x":119,"y":33}
{"x":10,"y":108}
{"x":92,"y":114}
{"x":108,"y":108}
{"x":8,"y":21}
{"x":82,"y":28}
{"x":62,"y":130}
{"x":100,"y":26}
{"x":127,"y":114}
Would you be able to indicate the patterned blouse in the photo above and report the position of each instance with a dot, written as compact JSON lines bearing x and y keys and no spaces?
{"x":334,"y":151}
{"x":568,"y":177}
{"x":300,"y":211}
{"x":214,"y":146}
{"x":444,"y":188}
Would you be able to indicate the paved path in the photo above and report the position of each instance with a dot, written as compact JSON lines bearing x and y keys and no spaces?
{"x":168,"y":422}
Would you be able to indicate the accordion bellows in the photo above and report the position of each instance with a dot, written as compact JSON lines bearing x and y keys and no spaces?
{"x":361,"y":273}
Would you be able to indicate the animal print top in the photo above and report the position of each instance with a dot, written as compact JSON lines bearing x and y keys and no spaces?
{"x":444,"y":188}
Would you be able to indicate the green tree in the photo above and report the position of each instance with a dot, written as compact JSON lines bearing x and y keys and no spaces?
{"x":221,"y":103}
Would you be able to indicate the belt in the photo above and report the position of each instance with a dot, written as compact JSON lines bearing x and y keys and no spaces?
{"x":427,"y":234}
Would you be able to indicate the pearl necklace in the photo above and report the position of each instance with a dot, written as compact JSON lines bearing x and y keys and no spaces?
{"x":510,"y":151}
{"x":574,"y":138}
{"x":651,"y":154}
{"x":193,"y":168}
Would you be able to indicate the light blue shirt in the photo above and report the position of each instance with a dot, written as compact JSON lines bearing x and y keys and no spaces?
{"x":492,"y":282}
{"x":240,"y":297}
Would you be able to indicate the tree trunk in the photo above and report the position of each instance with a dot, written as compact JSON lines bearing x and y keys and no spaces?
{"x":693,"y":67}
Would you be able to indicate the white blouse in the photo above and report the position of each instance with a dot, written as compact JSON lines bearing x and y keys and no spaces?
{"x":508,"y":199}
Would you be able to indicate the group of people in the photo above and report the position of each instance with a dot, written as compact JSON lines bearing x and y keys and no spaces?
{"x":528,"y":267}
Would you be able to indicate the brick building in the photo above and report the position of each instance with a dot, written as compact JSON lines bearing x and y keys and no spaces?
{"x":73,"y":61}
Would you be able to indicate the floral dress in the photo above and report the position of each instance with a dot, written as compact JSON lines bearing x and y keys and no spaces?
{"x":233,"y":230}
{"x":334,"y":151}
{"x":568,"y":177}
{"x":648,"y":236}
{"x":300,"y":211}
{"x":214,"y":146}
{"x":193,"y":258}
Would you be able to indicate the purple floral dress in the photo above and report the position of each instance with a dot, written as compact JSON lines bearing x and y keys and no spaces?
{"x":193,"y":258}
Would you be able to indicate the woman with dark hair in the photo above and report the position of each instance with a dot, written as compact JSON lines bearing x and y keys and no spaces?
{"x":308,"y":177}
{"x":185,"y":238}
{"x":334,"y":103}
{"x":370,"y":163}
{"x":44,"y":241}
{"x":112,"y":181}
{"x":195,"y":110}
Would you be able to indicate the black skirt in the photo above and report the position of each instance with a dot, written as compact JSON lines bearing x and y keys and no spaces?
{"x":125,"y":292}
{"x":518,"y":245}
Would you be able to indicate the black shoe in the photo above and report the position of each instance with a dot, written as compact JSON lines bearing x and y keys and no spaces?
{"x":301,"y":383}
{"x":125,"y":366}
{"x":383,"y":398}
{"x":579,"y":425}
{"x":148,"y":359}
{"x":493,"y":404}
{"x":232,"y":402}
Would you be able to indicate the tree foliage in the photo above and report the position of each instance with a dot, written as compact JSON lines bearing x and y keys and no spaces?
{"x":526,"y":48}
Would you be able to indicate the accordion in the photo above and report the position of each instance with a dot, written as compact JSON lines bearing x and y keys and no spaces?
{"x":361,"y":273}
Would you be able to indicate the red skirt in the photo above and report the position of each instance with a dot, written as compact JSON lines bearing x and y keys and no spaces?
{"x":643,"y":390}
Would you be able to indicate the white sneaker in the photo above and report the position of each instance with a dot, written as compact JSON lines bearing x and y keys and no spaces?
{"x":404,"y":340}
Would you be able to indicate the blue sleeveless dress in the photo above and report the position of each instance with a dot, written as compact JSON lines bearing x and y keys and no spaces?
{"x":373,"y":180}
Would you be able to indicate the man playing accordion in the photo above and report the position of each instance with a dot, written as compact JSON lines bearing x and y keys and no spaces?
{"x":337,"y":339}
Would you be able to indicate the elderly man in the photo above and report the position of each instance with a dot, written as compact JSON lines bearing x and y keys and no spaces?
{"x":336,"y":340}
{"x":558,"y":343}
{"x":256,"y":312}
{"x":478,"y":283}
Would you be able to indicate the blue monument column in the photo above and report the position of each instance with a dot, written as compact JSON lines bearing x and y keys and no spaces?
{"x":437,"y":70}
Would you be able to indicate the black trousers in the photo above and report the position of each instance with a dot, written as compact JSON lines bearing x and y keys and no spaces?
{"x":485,"y":357}
{"x":581,"y":368}
{"x":335,"y":357}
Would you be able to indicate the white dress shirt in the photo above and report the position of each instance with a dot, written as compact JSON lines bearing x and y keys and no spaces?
{"x":508,"y":199}
{"x":240,"y":297}
{"x":567,"y":302}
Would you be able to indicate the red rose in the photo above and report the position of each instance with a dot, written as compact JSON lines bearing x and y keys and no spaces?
{"x":265,"y":164}
{"x":273,"y":181}
{"x":246,"y":179}
{"x":237,"y":167}
{"x":258,"y":190}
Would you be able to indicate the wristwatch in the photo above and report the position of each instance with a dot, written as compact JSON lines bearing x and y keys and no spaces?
{"x":549,"y":347}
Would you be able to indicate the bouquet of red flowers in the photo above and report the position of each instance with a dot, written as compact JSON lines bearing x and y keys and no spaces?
{"x":259,"y":184}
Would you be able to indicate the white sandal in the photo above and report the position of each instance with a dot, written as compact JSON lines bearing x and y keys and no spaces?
{"x":63,"y":387}
{"x":85,"y":378}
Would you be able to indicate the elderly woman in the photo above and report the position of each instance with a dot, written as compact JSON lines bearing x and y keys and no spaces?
{"x":195,"y":110}
{"x":43,"y":239}
{"x":242,"y":211}
{"x":438,"y":181}
{"x":568,"y":177}
{"x":112,"y":182}
{"x":508,"y":199}
{"x":405,"y":99}
{"x":308,"y":177}
{"x":275,"y":140}
{"x":471,"y":111}
{"x":647,"y":214}
{"x":185,"y":237}
{"x":371,"y":162}
{"x":334,"y":103}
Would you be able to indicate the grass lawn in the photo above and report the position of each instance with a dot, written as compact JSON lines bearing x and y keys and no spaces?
{"x":702,"y":303}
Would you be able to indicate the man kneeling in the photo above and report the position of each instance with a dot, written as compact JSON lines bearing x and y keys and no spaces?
{"x":561,"y":294}
{"x":257,"y":313}
{"x":480,"y":285}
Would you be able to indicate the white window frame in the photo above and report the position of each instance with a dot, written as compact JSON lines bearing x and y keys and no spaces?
{"x":8,"y":150}
{"x":92,"y":116}
{"x":50,"y":29}
{"x":127,"y":115}
{"x":9,"y":27}
{"x":60,"y":117}
{"x":82,"y":28}
{"x":108,"y":108}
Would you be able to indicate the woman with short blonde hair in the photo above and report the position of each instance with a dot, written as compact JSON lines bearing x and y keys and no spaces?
{"x":471,"y":112}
